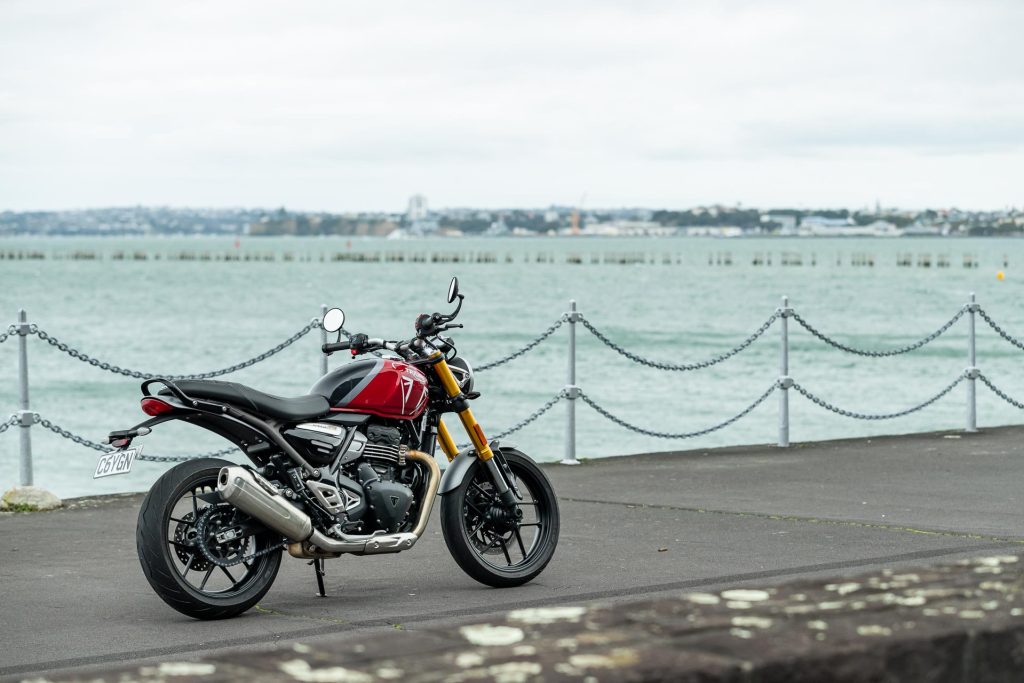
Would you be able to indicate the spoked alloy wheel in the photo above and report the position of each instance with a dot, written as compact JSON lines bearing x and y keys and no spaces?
{"x":495,"y":545}
{"x":202,"y":556}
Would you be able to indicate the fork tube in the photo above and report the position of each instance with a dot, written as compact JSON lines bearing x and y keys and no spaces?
{"x":444,"y":438}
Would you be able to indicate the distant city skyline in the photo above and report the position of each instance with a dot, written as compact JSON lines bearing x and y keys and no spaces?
{"x":343,"y":107}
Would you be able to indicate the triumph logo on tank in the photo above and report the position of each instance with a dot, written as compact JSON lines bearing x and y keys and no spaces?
{"x":406,"y":385}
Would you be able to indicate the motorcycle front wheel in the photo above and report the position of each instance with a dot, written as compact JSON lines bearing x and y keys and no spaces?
{"x":495,"y":545}
{"x":182,"y":510}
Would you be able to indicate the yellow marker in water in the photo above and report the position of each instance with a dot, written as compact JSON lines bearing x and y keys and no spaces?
{"x":1000,"y":275}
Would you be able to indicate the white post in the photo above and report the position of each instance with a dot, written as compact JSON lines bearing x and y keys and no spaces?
{"x":785,"y":381}
{"x":323,"y":340}
{"x":571,"y":391}
{"x":25,"y":413}
{"x":972,"y":370}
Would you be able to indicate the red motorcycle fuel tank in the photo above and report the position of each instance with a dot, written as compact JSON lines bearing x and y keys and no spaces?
{"x":382,"y":387}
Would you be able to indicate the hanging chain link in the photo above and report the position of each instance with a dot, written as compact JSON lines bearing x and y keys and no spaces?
{"x":10,"y":422}
{"x":522,"y":423}
{"x":103,"y":448}
{"x":1002,"y":333}
{"x":684,"y":367}
{"x":109,"y":367}
{"x":11,"y":331}
{"x":878,"y":354}
{"x":883,"y":416}
{"x":683,"y":435}
{"x":544,"y":335}
{"x":998,"y":392}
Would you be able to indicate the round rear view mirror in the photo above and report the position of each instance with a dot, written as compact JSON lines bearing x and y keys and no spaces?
{"x":453,"y":289}
{"x":334,"y":319}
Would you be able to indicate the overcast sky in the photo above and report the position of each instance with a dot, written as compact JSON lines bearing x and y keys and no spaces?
{"x":355,"y":106}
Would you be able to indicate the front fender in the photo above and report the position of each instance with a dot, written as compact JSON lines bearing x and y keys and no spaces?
{"x":458,"y":468}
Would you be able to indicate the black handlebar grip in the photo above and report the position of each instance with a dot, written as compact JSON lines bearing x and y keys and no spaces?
{"x":331,"y":347}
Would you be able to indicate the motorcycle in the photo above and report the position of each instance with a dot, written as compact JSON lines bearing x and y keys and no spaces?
{"x":348,"y":469}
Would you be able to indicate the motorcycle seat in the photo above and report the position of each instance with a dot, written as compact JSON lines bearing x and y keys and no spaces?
{"x":249,"y":399}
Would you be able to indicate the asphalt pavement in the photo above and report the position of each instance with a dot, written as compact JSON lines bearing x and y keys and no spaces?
{"x":73,"y":597}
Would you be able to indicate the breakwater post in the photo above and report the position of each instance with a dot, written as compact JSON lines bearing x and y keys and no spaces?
{"x":25,"y":416}
{"x":571,"y":390}
{"x":972,"y":370}
{"x":785,"y":381}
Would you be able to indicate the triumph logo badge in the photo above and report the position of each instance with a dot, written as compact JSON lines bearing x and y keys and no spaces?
{"x":406,"y":385}
{"x":394,"y":501}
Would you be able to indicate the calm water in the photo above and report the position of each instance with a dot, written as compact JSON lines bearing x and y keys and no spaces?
{"x":191,"y":316}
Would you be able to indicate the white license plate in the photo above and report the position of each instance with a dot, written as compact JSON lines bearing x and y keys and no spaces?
{"x":116,"y":462}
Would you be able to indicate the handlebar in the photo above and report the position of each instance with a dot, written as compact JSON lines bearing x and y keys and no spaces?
{"x":331,"y":347}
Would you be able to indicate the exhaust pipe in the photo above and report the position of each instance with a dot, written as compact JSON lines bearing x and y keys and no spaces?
{"x":254,"y":495}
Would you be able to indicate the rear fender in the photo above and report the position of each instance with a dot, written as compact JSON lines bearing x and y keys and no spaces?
{"x":458,"y":468}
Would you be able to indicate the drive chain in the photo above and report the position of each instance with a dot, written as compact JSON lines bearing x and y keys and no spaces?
{"x":882,"y":416}
{"x":544,"y":335}
{"x":109,"y":367}
{"x":686,"y":366}
{"x":878,"y":354}
{"x":201,"y":522}
{"x":1002,"y":333}
{"x":682,"y":435}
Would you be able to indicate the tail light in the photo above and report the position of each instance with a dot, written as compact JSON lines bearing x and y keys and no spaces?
{"x":155,"y":406}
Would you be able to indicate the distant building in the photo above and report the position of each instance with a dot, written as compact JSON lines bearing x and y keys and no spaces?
{"x":417,"y":210}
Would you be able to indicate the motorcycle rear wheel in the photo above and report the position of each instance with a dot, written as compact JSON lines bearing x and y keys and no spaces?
{"x":172,"y":562}
{"x":489,"y":543}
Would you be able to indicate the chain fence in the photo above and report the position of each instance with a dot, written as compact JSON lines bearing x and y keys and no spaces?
{"x":10,"y":422}
{"x":880,"y":416}
{"x":682,"y":435}
{"x":110,"y":367}
{"x":529,"y":347}
{"x":525,"y":421}
{"x":103,"y":448}
{"x":682,"y":367}
{"x":571,"y":392}
{"x":999,"y":330}
{"x":878,"y":354}
{"x":999,"y":392}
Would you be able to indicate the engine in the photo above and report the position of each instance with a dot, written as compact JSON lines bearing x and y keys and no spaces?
{"x":370,"y":486}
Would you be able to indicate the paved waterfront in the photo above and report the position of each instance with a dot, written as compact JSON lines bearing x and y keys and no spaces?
{"x":72,"y":593}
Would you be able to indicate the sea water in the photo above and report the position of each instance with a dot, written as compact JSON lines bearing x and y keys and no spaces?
{"x":670,"y":300}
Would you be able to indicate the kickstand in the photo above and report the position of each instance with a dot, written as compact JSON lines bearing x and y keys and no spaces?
{"x":318,"y":569}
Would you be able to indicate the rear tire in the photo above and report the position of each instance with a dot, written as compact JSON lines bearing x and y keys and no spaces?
{"x":165,"y":540}
{"x":488,"y":545}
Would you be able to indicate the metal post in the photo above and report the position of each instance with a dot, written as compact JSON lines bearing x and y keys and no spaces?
{"x":785,"y":381}
{"x":25,"y":414}
{"x":972,"y":370}
{"x":323,"y":340}
{"x":571,"y":390}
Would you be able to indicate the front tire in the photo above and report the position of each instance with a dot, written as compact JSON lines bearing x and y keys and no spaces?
{"x":491,"y":544}
{"x":175,"y":567}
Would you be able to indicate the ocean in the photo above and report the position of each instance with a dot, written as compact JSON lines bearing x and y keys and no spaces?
{"x":210,"y":302}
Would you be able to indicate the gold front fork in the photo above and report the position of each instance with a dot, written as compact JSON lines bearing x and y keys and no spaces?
{"x":476,"y":433}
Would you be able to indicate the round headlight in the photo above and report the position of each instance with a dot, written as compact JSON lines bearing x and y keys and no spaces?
{"x":463,"y":372}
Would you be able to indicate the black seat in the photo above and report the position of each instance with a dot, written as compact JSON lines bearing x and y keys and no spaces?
{"x":247,"y":398}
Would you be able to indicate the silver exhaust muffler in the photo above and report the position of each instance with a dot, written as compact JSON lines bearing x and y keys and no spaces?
{"x":254,"y":495}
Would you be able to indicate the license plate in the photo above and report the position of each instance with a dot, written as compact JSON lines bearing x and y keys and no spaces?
{"x":116,"y":462}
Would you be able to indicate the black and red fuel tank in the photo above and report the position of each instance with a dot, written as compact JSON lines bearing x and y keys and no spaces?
{"x":379,"y":386}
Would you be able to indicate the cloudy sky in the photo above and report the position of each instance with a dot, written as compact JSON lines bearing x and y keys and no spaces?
{"x":355,"y":106}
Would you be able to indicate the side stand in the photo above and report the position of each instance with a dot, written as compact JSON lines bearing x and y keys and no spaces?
{"x":318,"y":570}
